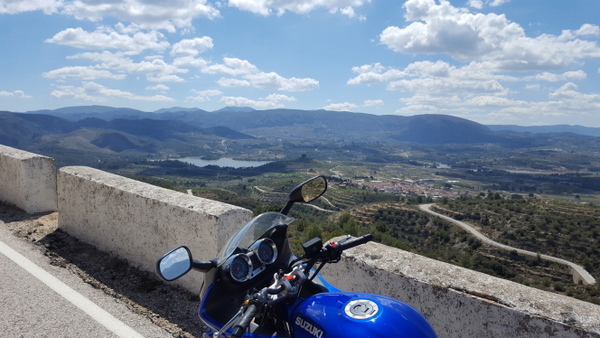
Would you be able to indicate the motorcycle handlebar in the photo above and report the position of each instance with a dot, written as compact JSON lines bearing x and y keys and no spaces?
{"x":240,"y":328}
{"x":332,"y":251}
{"x":356,"y":242}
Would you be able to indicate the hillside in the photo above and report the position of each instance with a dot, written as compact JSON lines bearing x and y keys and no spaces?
{"x":302,"y":124}
{"x":287,"y":134}
{"x":548,"y":129}
{"x":89,"y":140}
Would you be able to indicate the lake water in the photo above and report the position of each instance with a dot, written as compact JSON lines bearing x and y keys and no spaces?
{"x":222,"y":162}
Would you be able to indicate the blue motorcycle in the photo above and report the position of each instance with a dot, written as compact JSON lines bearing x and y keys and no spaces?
{"x":259,"y":288}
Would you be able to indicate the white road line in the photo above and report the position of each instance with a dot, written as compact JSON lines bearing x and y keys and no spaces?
{"x":90,"y":308}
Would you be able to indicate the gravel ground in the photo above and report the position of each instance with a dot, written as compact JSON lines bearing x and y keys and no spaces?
{"x":168,"y":306}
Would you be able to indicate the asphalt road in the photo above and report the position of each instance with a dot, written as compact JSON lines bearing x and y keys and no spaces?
{"x":38,"y":299}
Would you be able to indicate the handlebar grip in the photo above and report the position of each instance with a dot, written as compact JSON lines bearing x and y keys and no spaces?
{"x":242,"y":325}
{"x":355,"y":242}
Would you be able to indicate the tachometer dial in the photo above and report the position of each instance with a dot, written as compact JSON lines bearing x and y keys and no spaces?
{"x":240,"y":267}
{"x":266,"y":250}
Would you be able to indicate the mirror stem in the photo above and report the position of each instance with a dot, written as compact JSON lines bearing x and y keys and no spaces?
{"x":287,"y":207}
{"x":203,"y":266}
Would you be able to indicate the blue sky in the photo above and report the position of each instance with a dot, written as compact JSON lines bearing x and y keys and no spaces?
{"x":534,"y":62}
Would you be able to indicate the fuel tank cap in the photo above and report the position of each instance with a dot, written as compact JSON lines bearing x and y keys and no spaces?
{"x":361,"y":309}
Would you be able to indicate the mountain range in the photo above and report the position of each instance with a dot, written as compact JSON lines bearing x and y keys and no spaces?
{"x":188,"y":130}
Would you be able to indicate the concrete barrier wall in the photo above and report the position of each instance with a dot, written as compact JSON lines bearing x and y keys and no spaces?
{"x":27,"y":180}
{"x":139,"y":221}
{"x":460,"y":302}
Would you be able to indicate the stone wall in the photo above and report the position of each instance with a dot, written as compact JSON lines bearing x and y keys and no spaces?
{"x":139,"y":221}
{"x":459,"y":302}
{"x":27,"y":180}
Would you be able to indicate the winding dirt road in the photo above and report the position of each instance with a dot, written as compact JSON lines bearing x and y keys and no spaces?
{"x":579,"y":273}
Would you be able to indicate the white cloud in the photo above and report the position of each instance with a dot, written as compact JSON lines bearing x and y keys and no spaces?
{"x":475,"y":4}
{"x":465,"y":36}
{"x":494,"y":101}
{"x":230,"y":82}
{"x":147,"y":14}
{"x":349,"y":12}
{"x":94,"y":92}
{"x":85,"y":73}
{"x":231,"y":66}
{"x":279,"y":98}
{"x":162,"y":77}
{"x":588,"y":30}
{"x":277,"y":82}
{"x":190,"y":61}
{"x":346,"y":106}
{"x":269,"y":102}
{"x":204,"y":95}
{"x":192,"y":47}
{"x":14,"y":94}
{"x":155,"y":68}
{"x":252,"y":76}
{"x":20,"y":6}
{"x":106,"y":38}
{"x":279,"y":7}
{"x":439,"y":78}
{"x":491,"y":55}
{"x":496,"y":3}
{"x":158,"y":87}
{"x":375,"y":73}
{"x":371,"y":103}
{"x":553,"y":77}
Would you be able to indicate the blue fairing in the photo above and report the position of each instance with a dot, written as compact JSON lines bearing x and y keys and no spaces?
{"x":336,"y":314}
{"x":320,"y":280}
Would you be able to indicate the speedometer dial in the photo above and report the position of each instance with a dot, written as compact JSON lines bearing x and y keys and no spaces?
{"x":266,"y":250}
{"x":240,"y":267}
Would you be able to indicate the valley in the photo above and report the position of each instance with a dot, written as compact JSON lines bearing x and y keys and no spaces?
{"x":536,"y":191}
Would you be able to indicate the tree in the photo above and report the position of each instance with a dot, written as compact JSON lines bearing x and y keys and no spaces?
{"x":313,"y":231}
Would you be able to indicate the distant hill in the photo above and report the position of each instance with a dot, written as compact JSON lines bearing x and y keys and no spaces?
{"x":115,"y":142}
{"x":244,"y":123}
{"x":34,"y":131}
{"x":235,"y":110}
{"x":174,"y":110}
{"x":548,"y":129}
{"x":328,"y":125}
{"x":102,"y":112}
{"x":156,"y":129}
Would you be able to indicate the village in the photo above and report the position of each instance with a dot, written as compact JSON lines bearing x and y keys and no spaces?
{"x":434,"y":188}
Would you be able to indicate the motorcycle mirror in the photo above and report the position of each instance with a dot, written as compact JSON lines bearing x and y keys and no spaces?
{"x":306,"y":192}
{"x":174,"y":264}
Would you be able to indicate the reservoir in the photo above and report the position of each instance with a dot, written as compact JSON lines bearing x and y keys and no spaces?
{"x":222,"y":162}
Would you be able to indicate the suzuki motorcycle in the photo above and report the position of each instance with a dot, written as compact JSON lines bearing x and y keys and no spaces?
{"x":258,"y":288}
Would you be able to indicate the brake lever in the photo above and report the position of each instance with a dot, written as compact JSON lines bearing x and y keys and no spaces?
{"x":230,"y":323}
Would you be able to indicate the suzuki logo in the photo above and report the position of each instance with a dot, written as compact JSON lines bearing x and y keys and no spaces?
{"x":308,"y":327}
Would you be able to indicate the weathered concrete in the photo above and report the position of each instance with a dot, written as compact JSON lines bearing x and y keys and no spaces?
{"x":459,"y":302}
{"x":27,"y":180}
{"x":140,"y":222}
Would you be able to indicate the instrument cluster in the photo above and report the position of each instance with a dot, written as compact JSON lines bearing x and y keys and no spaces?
{"x":245,"y":266}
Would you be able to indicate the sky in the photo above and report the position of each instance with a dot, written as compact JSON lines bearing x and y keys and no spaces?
{"x":534,"y":62}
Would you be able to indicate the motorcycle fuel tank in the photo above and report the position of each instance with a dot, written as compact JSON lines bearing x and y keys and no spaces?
{"x":348,"y":314}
